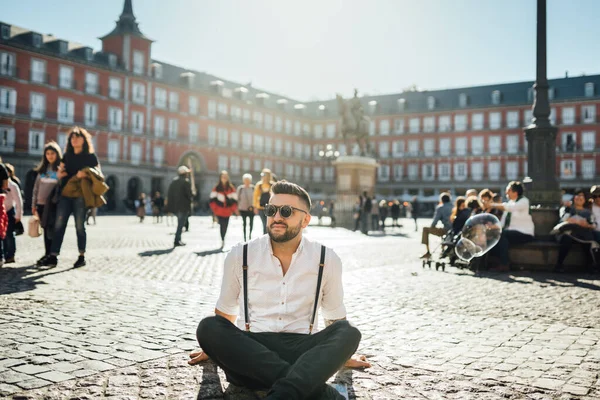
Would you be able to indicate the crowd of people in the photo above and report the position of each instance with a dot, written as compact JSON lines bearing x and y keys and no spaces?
{"x":369,"y":213}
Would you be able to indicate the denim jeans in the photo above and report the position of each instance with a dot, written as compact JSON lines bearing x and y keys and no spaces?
{"x":9,"y":244}
{"x":67,"y":206}
{"x":247,"y":215}
{"x":182,"y":218}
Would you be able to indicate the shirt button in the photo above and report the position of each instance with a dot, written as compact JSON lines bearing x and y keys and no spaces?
{"x":284,"y":283}
{"x":280,"y":318}
{"x":283,"y":302}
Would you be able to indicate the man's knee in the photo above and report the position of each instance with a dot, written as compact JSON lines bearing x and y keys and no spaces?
{"x":210,"y":327}
{"x":347,"y":331}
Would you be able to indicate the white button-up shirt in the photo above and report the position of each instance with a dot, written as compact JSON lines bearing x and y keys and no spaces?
{"x":278,"y":303}
{"x":520,"y":219}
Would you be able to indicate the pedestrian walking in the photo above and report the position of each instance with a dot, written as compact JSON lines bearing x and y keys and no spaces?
{"x":179,"y":200}
{"x":395,"y":212}
{"x":383,"y":212}
{"x":356,"y":212}
{"x":140,"y":207}
{"x":367,"y":206}
{"x":14,"y":212}
{"x":414,"y":211}
{"x":262,"y":194}
{"x":45,"y":194}
{"x":158,"y":205}
{"x":223,"y":202}
{"x":375,"y":214}
{"x":331,"y":214}
{"x":79,"y":166}
{"x":245,"y":195}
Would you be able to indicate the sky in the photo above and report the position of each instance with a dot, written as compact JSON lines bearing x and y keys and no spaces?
{"x":312,"y":49}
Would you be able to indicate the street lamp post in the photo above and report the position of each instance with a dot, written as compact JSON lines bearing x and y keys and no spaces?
{"x":329,"y":153}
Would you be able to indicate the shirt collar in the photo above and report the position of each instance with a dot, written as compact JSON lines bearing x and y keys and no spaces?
{"x":297,"y":252}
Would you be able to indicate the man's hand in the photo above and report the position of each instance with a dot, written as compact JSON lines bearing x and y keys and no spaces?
{"x":197,"y":357}
{"x":81,"y":174}
{"x":357,"y":361}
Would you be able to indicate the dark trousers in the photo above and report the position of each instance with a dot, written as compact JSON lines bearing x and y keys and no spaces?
{"x":247,"y":215}
{"x":67,"y":206}
{"x":375,"y":222}
{"x":9,"y":244}
{"x":293,"y":365}
{"x":509,"y":237}
{"x":565,"y":242}
{"x":48,"y":232}
{"x":263,"y":218}
{"x":223,"y":224}
{"x":182,"y":218}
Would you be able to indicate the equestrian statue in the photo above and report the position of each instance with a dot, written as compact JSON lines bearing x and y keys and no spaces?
{"x":355,"y":124}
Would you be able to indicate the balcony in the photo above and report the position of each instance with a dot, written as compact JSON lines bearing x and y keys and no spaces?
{"x":9,"y":70}
{"x":70,"y":84}
{"x":39,"y":77}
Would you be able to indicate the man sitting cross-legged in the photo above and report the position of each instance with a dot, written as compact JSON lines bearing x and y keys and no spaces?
{"x":279,"y":275}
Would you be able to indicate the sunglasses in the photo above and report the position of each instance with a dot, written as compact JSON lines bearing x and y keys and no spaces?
{"x":284,"y":211}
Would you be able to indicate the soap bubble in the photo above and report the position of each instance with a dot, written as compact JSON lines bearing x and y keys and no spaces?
{"x":479,"y":235}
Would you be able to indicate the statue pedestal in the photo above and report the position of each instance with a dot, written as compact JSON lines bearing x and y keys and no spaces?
{"x":355,"y":175}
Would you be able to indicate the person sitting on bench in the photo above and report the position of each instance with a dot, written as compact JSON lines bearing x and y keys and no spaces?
{"x":442,"y":214}
{"x":277,"y":283}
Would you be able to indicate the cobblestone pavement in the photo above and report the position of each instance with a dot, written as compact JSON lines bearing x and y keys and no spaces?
{"x":121,"y":327}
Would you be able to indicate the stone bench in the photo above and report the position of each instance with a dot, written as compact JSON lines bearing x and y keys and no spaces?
{"x":541,"y":255}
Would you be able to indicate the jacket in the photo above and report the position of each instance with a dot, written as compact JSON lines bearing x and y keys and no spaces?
{"x":258,"y":193}
{"x":90,"y":188}
{"x":223,"y":202}
{"x":179,"y":196}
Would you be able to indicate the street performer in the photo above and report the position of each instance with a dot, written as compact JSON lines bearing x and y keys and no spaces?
{"x":274,"y":286}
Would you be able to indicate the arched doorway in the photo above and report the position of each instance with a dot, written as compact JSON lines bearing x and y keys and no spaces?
{"x":134,"y":188}
{"x":111,"y":194}
{"x":195,"y":163}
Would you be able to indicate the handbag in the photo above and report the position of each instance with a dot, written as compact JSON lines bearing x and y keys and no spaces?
{"x":572,"y":229}
{"x":34,"y":228}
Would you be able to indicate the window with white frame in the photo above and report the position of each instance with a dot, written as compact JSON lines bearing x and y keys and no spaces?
{"x":588,"y":141}
{"x":174,"y":101}
{"x":398,"y":172}
{"x":428,"y":172}
{"x":288,"y":149}
{"x":495,"y":120}
{"x":193,"y":132}
{"x":234,"y":165}
{"x":588,"y":169}
{"x":512,"y":119}
{"x":7,"y":64}
{"x":297,"y":128}
{"x":298,"y":172}
{"x":66,"y":110}
{"x":8,"y":100}
{"x":401,"y":104}
{"x":477,"y":121}
{"x":460,"y":146}
{"x":305,"y":130}
{"x":429,"y":124}
{"x":384,"y":149}
{"x":588,"y":114}
{"x":173,"y":128}
{"x":330,"y":131}
{"x":137,"y":122}
{"x":158,"y":156}
{"x":289,"y":171}
{"x":317,"y":174}
{"x":306,"y":173}
{"x":246,"y":164}
{"x":193,"y":105}
{"x":138,"y":62}
{"x":512,"y":170}
{"x":91,"y":114}
{"x":444,"y":123}
{"x":445,"y":146}
{"x":139,"y":93}
{"x":477,"y":170}
{"x":114,"y":88}
{"x":568,"y":115}
{"x":430,"y":103}
{"x":307,"y":151}
{"x":463,"y":100}
{"x":512,"y":144}
{"x":268,"y":122}
{"x":589,"y":89}
{"x":257,"y":118}
{"x":495,"y":144}
{"x":7,"y":139}
{"x":279,"y":124}
{"x":551,"y":93}
{"x":384,"y":127}
{"x":269,"y":145}
{"x":298,"y":150}
{"x":246,"y":141}
{"x":160,"y":98}
{"x":212,"y":109}
{"x":36,"y":142}
{"x":115,"y":118}
{"x":496,"y":97}
{"x":372,"y":128}
{"x":383,"y":173}
{"x":136,"y":153}
{"x":236,"y":114}
{"x":477,"y":145}
{"x":159,"y":126}
{"x":429,"y":147}
{"x":494,"y":170}
{"x":444,"y":171}
{"x":398,"y":148}
{"x":113,"y":151}
{"x":259,"y":144}
{"x":37,"y":105}
{"x":569,"y":141}
{"x":413,"y":148}
{"x":414,"y":125}
{"x":246,"y":116}
{"x":460,"y":122}
{"x":567,"y":169}
{"x":288,"y":126}
{"x":38,"y":71}
{"x":65,"y":77}
{"x":528,"y":116}
{"x":235,"y":139}
{"x":460,"y":171}
{"x":212,"y":136}
{"x":278,"y":147}
{"x":318,"y":130}
{"x":399,"y":126}
{"x":223,"y":137}
{"x":413,"y":172}
{"x":91,"y":82}
{"x":329,"y":174}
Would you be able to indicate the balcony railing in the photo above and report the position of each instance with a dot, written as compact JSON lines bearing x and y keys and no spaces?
{"x":39,"y":77}
{"x":9,"y":70}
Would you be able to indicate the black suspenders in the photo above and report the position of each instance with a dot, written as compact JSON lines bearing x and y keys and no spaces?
{"x":319,"y":279}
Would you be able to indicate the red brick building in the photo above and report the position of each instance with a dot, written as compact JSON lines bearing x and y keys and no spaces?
{"x":147,"y":117}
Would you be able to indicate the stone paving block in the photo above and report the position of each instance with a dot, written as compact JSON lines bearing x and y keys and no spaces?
{"x":55,"y":376}
{"x":576,"y":390}
{"x":31,"y":369}
{"x":13,"y":376}
{"x":80,"y":373}
{"x":7,"y":390}
{"x":10,"y":362}
{"x":547,"y":383}
{"x":65,"y":367}
{"x":33,"y":383}
{"x":95,"y":365}
{"x":50,"y":345}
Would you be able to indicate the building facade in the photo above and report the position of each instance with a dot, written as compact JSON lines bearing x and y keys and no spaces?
{"x":147,"y":117}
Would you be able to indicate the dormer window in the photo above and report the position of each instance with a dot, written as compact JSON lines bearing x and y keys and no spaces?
{"x":187,"y":78}
{"x":89,"y":54}
{"x":550,"y":93}
{"x":430,"y":103}
{"x":281,"y":104}
{"x":157,"y":71}
{"x":36,"y":40}
{"x":530,"y":95}
{"x":112,"y":60}
{"x":5,"y":32}
{"x":589,"y":89}
{"x":372,"y":107}
{"x":215,"y":86}
{"x":322,"y":110}
{"x":496,"y":97}
{"x":401,"y":104}
{"x":241,"y":93}
{"x":299,"y":108}
{"x":62,"y":47}
{"x":261,"y":98}
{"x":463,"y":100}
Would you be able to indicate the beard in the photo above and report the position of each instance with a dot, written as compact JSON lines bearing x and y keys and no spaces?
{"x":289,"y":234}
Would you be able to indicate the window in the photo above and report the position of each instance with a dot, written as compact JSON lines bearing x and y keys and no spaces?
{"x":5,"y":32}
{"x":512,"y":144}
{"x":115,"y":118}
{"x":329,"y":171}
{"x":460,"y":171}
{"x":331,"y":131}
{"x":384,"y":127}
{"x":139,"y":93}
{"x":414,"y":125}
{"x":37,"y":105}
{"x":288,"y":126}
{"x":428,"y":172}
{"x":246,"y":164}
{"x":66,"y":109}
{"x":65,"y":77}
{"x":269,"y":122}
{"x":569,"y":142}
{"x":193,"y":132}
{"x":429,"y":124}
{"x":137,"y":122}
{"x":160,"y":97}
{"x":136,"y":153}
{"x":317,"y":174}
{"x":444,"y":123}
{"x":398,"y":148}
{"x":257,"y":164}
{"x":297,"y":128}
{"x":113,"y":151}
{"x":399,"y":126}
{"x":138,"y":62}
{"x":512,"y":170}
{"x":91,"y":114}
{"x":38,"y":71}
{"x":413,"y":172}
{"x":383,"y":173}
{"x":173,"y":128}
{"x":307,"y":151}
{"x":157,"y":71}
{"x":494,"y":170}
{"x":114,"y":88}
{"x":567,"y":169}
{"x":298,"y":150}
{"x":278,"y":146}
{"x":460,"y":122}
{"x":588,"y":169}
{"x":234,"y":165}
{"x":158,"y":156}
{"x":430,"y":103}
{"x":552,"y":116}
{"x":212,"y":136}
{"x":444,"y":171}
{"x":212,"y":109}
{"x":372,"y":107}
{"x":495,"y":120}
{"x":318,"y":131}
{"x":495,"y":144}
{"x":36,"y":142}
{"x":588,"y":141}
{"x":528,"y":117}
{"x":589,"y":89}
{"x":371,"y":128}
{"x":588,"y":114}
{"x":235,"y":139}
{"x":288,"y":149}
{"x":477,"y":122}
{"x":7,"y":139}
{"x":460,"y":146}
{"x":246,"y":141}
{"x":551,"y":93}
{"x":568,"y":115}
{"x":477,"y":145}
{"x":512,"y":119}
{"x":477,"y":170}
{"x":173,"y":101}
{"x":401,"y":104}
{"x":429,"y":147}
{"x":223,"y":137}
{"x":496,"y":97}
{"x":246,"y":116}
{"x":398,"y":172}
{"x":445,"y":147}
{"x":91,"y":82}
{"x":112,"y":60}
{"x":269,"y":145}
{"x":279,"y":124}
{"x":306,"y":173}
{"x":384,"y":149}
{"x":413,"y":148}
{"x":463,"y":100}
{"x":193,"y":105}
{"x":159,"y":126}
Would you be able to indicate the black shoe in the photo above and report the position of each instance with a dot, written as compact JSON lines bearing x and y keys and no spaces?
{"x":179,"y":243}
{"x":9,"y":260}
{"x":49,"y":261}
{"x":40,"y":262}
{"x":80,"y":262}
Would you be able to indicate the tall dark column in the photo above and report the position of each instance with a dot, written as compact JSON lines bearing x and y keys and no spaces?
{"x":540,"y":134}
